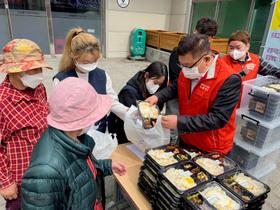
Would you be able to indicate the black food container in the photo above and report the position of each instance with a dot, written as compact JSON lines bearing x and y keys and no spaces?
{"x":215,"y":163}
{"x":243,"y":189}
{"x":149,"y":114}
{"x":188,"y":173}
{"x":195,"y":199}
{"x":171,"y":152}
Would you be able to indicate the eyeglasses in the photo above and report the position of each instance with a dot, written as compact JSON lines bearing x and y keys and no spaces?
{"x":181,"y":66}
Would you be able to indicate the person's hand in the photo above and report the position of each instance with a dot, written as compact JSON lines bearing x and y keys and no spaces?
{"x":169,"y":121}
{"x":119,"y":168}
{"x":152,"y":100}
{"x":249,"y":67}
{"x":10,"y":192}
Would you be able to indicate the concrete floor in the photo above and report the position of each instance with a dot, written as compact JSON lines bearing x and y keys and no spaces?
{"x":121,"y":70}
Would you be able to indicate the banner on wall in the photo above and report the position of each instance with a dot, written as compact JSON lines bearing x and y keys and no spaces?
{"x":272,"y":46}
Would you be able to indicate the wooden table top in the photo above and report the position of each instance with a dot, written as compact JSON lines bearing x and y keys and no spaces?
{"x":128,"y":182}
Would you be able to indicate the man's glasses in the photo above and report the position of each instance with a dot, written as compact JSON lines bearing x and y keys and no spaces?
{"x":181,"y":66}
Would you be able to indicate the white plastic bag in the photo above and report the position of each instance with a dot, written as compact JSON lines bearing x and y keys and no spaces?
{"x":144,"y":138}
{"x":105,"y":144}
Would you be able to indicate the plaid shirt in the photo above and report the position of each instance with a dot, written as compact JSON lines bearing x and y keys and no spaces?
{"x":265,"y":68}
{"x":22,"y":122}
{"x":268,"y":69}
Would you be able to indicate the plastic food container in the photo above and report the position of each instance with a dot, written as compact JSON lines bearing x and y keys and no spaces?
{"x":258,"y":133}
{"x":193,"y":151}
{"x":212,"y":195}
{"x":168,"y":190}
{"x":261,"y":98}
{"x":148,"y":192}
{"x":166,"y":202}
{"x":148,"y":174}
{"x":215,"y":163}
{"x":247,"y":188}
{"x":166,"y":155}
{"x":183,"y":176}
{"x":170,"y":198}
{"x":248,"y":159}
{"x":149,"y":166}
{"x":149,"y":114}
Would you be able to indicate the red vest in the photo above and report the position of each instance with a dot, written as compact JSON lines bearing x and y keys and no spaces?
{"x":200,"y":102}
{"x":237,"y":66}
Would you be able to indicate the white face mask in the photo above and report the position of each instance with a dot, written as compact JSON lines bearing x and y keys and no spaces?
{"x":236,"y":54}
{"x":86,"y":67}
{"x":33,"y":80}
{"x":152,"y":88}
{"x":192,"y":73}
{"x":84,"y":130}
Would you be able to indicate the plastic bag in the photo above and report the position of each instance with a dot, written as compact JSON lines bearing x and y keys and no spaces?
{"x":105,"y":144}
{"x":144,"y":138}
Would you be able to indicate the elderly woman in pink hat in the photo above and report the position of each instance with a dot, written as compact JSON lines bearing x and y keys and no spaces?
{"x":63,"y":173}
{"x":23,"y":115}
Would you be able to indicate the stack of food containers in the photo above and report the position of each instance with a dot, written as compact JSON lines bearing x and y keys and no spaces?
{"x":211,"y":195}
{"x":187,"y":178}
{"x":257,"y":144}
{"x":177,"y":179}
{"x":155,"y":160}
{"x":247,"y":188}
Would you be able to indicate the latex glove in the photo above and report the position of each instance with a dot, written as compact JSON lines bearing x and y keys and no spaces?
{"x":10,"y":192}
{"x":119,"y":168}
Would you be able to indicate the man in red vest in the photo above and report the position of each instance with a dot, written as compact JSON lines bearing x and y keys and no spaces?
{"x":204,"y":25}
{"x":208,"y":91}
{"x":245,"y":63}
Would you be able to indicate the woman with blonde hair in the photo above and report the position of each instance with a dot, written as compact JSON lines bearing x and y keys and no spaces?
{"x":80,"y":59}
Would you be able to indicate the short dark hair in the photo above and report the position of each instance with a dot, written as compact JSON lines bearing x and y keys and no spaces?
{"x":242,"y":36}
{"x":196,"y":44}
{"x":207,"y":26}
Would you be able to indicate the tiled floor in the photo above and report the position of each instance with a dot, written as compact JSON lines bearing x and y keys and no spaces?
{"x":120,"y":70}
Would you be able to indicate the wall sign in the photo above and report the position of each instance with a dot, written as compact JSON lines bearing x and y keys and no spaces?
{"x":123,"y":3}
{"x":272,"y":46}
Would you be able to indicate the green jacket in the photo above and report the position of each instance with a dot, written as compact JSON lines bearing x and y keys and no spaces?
{"x":59,"y":177}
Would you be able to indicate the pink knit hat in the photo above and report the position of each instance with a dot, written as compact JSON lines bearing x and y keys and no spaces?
{"x":75,"y":105}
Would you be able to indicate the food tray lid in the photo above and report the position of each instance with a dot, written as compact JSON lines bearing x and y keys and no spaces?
{"x":188,"y":172}
{"x":254,"y":198}
{"x":145,"y":176}
{"x":148,"y":173}
{"x":218,"y":160}
{"x":164,"y":189}
{"x":258,"y":83}
{"x":146,"y":186}
{"x":170,"y":151}
{"x":194,"y":151}
{"x":148,"y":165}
{"x":257,"y":151}
{"x":213,"y":199}
{"x":244,"y":114}
{"x":147,"y":124}
{"x":145,"y":192}
{"x":166,"y":202}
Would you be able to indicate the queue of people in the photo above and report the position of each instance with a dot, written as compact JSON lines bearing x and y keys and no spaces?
{"x":46,"y":156}
{"x":45,"y":153}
